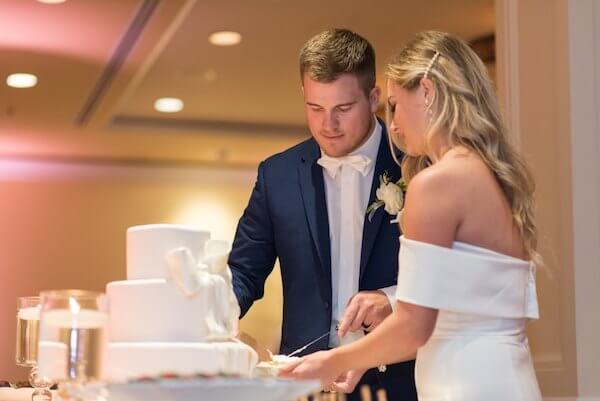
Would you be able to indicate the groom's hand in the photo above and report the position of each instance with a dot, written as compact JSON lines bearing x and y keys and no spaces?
{"x":365,"y":311}
{"x":347,"y":381}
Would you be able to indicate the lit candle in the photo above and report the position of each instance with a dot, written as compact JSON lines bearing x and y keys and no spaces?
{"x":83,"y":319}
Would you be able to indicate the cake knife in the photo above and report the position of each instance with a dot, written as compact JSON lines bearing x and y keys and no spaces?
{"x":309,"y":344}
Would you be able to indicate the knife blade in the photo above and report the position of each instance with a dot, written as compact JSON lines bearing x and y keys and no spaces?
{"x":309,"y":344}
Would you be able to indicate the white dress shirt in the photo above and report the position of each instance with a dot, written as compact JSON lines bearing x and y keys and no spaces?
{"x":345,"y":276}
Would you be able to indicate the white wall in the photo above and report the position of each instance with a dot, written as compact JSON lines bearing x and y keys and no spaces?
{"x":584,"y":78}
{"x":549,"y":80}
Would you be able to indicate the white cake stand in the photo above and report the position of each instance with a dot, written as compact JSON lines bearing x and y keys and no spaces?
{"x":213,"y":389}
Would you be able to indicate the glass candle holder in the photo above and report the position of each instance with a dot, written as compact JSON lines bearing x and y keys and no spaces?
{"x":72,"y":340}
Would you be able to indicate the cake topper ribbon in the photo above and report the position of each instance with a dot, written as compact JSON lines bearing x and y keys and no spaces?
{"x":210,"y":278}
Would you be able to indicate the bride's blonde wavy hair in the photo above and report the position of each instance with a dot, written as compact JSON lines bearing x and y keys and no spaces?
{"x":465,"y":107}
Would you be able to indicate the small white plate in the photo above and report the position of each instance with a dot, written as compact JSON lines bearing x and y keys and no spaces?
{"x":213,"y":389}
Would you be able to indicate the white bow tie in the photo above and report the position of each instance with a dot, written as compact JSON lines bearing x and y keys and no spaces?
{"x":333,"y":164}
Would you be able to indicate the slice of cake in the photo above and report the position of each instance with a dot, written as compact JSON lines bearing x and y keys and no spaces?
{"x":176,"y":313}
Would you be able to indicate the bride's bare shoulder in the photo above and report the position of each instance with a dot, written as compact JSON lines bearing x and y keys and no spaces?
{"x":430,"y":213}
{"x":437,"y":198}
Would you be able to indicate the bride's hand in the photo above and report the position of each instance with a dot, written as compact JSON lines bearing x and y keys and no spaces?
{"x":320,"y":365}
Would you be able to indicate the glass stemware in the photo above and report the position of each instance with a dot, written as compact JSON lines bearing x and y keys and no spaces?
{"x":28,"y":319}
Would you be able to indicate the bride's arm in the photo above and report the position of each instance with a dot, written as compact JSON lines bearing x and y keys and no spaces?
{"x":396,"y":339}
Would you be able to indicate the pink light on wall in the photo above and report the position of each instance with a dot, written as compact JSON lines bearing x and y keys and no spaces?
{"x":29,"y":142}
{"x":84,"y":29}
{"x":12,"y":144}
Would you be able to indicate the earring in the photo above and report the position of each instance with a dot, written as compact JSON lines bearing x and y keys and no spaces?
{"x":428,"y":110}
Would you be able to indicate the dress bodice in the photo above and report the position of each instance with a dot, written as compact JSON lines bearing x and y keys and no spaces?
{"x":478,"y":349}
{"x":475,"y":289}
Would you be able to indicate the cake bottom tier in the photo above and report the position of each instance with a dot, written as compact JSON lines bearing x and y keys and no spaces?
{"x":126,"y":361}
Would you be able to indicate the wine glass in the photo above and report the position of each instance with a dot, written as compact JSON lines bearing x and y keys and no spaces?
{"x":71,"y":342}
{"x":28,"y":319}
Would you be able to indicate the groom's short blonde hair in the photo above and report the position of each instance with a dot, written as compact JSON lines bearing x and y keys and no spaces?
{"x":334,"y":52}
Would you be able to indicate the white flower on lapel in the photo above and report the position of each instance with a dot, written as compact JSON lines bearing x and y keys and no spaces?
{"x":390,"y":195}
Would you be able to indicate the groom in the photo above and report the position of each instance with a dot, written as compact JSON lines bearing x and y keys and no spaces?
{"x":338,"y":267}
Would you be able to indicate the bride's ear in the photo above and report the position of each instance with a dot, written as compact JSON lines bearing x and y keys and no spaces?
{"x":428,"y":90}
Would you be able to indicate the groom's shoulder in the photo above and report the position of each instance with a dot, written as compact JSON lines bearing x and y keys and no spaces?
{"x":292,"y":155}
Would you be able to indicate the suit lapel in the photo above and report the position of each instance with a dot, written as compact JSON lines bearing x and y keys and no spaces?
{"x":385,"y":164}
{"x":312,"y":188}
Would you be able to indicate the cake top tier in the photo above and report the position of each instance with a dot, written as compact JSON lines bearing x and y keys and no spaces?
{"x":148,"y":245}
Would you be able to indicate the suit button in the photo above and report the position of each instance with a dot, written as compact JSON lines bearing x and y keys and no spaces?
{"x":326,"y":305}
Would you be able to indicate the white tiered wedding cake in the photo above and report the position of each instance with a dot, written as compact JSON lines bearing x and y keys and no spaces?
{"x":176,"y":313}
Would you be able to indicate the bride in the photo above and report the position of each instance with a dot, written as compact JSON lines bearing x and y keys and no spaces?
{"x":466,"y":283}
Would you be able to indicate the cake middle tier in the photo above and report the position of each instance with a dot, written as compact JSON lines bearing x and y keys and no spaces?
{"x":155,"y":310}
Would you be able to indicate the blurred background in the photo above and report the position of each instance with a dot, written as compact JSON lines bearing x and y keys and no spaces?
{"x":159,"y":111}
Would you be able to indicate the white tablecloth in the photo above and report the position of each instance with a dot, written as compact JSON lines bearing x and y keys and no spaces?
{"x":11,"y":394}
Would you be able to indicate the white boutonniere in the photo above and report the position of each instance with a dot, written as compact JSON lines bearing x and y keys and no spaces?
{"x":390,"y":195}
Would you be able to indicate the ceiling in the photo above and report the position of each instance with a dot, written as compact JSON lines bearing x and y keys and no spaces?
{"x":102,"y":63}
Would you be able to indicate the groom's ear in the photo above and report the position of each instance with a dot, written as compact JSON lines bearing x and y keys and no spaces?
{"x":374,"y":96}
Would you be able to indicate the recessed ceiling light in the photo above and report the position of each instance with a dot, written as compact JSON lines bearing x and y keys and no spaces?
{"x":21,"y":80}
{"x":225,"y":38}
{"x":168,"y":105}
{"x":52,"y":1}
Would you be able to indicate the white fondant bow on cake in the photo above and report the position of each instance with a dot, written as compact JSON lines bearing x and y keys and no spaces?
{"x":209,"y":278}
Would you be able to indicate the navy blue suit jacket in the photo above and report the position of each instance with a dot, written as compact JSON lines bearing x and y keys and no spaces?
{"x":286,"y":218}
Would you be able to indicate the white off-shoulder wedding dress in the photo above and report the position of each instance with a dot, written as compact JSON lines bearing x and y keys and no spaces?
{"x":478,"y":350}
